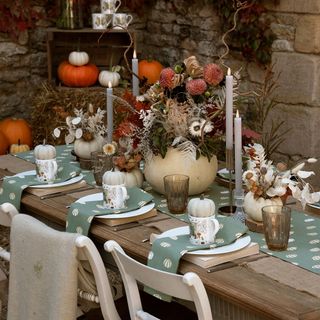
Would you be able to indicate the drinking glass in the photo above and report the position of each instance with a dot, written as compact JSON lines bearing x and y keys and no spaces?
{"x":101,"y":163}
{"x":276,"y":226}
{"x":176,"y":188}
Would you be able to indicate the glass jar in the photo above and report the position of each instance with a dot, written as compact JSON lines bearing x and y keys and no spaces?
{"x":71,"y":16}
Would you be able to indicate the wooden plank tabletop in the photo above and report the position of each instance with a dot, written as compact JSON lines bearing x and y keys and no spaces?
{"x":233,"y":282}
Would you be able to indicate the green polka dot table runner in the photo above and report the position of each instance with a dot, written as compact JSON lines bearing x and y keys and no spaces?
{"x":304,"y":242}
{"x":63,"y":156}
{"x":13,"y":186}
{"x":81,"y":214}
{"x":166,"y":252}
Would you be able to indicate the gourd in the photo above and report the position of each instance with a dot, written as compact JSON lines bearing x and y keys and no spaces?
{"x":109,"y":76}
{"x":44,"y":151}
{"x":134,"y":178}
{"x":17,"y":148}
{"x":84,"y":148}
{"x":201,"y":207}
{"x":78,"y":58}
{"x":78,"y":76}
{"x":4,"y":144}
{"x":113,"y":178}
{"x":150,"y":69}
{"x":16,"y":129}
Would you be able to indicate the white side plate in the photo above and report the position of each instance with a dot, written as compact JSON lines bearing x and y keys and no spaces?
{"x":52,"y":185}
{"x":134,"y":213}
{"x":237,"y":245}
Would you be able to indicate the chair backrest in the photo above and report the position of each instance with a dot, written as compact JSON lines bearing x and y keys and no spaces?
{"x":7,"y":212}
{"x":42,"y":257}
{"x":188,"y":287}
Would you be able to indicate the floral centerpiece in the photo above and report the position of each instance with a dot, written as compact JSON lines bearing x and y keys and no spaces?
{"x":268,"y":184}
{"x":181,"y":124}
{"x":85,"y":129}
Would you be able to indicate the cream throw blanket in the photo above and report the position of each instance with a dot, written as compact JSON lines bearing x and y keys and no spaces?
{"x":43,"y":272}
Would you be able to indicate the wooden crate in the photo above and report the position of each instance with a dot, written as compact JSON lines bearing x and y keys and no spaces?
{"x":113,"y":43}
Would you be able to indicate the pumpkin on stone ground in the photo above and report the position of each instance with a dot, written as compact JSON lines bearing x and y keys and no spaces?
{"x":16,"y":129}
{"x":78,"y":76}
{"x":4,"y":144}
{"x":150,"y":69}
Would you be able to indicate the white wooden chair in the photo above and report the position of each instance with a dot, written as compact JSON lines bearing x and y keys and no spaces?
{"x":85,"y":251}
{"x":7,"y":212}
{"x":188,"y":287}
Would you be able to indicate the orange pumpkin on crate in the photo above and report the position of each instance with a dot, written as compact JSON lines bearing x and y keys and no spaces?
{"x":150,"y":69}
{"x":4,"y":144}
{"x":16,"y":129}
{"x":78,"y":76}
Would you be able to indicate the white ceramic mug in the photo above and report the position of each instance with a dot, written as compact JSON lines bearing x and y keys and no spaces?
{"x":121,"y":20}
{"x":203,"y":229}
{"x":110,"y":6}
{"x":101,"y":20}
{"x":47,"y":170}
{"x":115,"y":196}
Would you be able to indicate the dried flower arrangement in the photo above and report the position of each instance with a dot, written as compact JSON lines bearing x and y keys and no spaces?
{"x":186,"y":111}
{"x":266,"y":180}
{"x":86,"y":125}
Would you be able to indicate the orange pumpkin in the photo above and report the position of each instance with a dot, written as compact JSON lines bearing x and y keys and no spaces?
{"x":4,"y":144}
{"x":150,"y":69}
{"x":15,"y":130}
{"x":78,"y":76}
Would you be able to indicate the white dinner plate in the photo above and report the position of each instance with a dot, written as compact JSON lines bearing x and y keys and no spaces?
{"x":51,"y":185}
{"x":237,"y":245}
{"x":133,"y":213}
{"x":314,"y":205}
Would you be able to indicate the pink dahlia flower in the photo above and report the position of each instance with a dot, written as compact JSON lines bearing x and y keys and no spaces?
{"x":196,"y":87}
{"x":212,"y":74}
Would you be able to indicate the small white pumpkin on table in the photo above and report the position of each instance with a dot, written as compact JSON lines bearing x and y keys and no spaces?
{"x":45,"y":151}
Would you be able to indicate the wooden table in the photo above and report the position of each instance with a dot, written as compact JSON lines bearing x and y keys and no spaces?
{"x":236,"y":291}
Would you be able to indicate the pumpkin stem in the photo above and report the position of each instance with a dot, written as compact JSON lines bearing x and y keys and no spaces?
{"x":202,"y":197}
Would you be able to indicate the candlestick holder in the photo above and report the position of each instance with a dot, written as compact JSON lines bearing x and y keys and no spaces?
{"x":238,"y":201}
{"x":229,"y":209}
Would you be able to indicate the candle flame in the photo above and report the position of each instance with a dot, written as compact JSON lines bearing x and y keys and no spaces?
{"x":134,"y":54}
{"x":229,"y":72}
{"x":109,"y":84}
{"x":237,"y":115}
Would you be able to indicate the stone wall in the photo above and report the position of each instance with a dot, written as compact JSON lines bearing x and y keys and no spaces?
{"x":172,"y":30}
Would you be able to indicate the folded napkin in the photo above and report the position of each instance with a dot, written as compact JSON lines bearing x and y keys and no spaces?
{"x":166,"y":252}
{"x":81,"y":214}
{"x":13,"y":186}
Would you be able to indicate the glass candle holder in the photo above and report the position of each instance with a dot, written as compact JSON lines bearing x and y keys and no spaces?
{"x":71,"y":16}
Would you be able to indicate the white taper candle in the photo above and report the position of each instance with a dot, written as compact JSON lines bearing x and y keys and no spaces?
{"x":109,"y":112}
{"x":238,"y":152}
{"x":229,"y":110}
{"x":135,"y":79}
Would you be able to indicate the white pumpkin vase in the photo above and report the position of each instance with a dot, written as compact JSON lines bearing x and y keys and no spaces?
{"x":134,"y":178}
{"x":201,"y":171}
{"x":252,"y":206}
{"x":84,"y":148}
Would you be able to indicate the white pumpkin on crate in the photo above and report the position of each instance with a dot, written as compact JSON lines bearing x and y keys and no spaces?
{"x":78,"y":58}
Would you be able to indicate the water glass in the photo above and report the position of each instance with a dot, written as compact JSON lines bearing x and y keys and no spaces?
{"x":101,"y":163}
{"x":176,"y":188}
{"x":276,"y":226}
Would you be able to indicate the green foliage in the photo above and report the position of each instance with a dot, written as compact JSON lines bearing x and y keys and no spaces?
{"x":252,"y":35}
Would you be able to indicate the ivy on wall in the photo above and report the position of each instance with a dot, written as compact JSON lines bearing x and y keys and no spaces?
{"x":252,"y":36}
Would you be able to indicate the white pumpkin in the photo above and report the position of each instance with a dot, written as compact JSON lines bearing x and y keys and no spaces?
{"x":44,"y":151}
{"x":201,"y":207}
{"x":109,"y":76}
{"x":113,"y":178}
{"x":201,"y":171}
{"x":253,"y":206}
{"x":84,"y":148}
{"x":134,"y":178}
{"x":78,"y":58}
